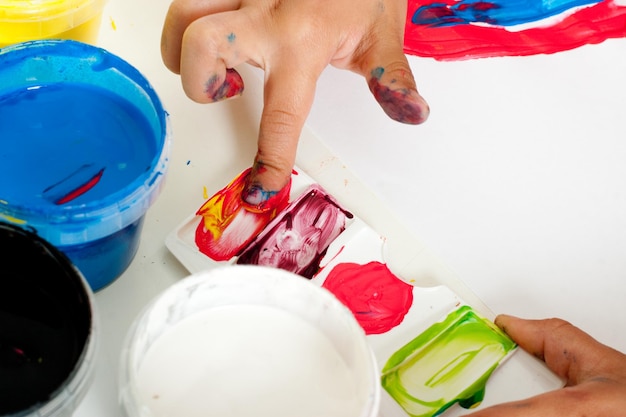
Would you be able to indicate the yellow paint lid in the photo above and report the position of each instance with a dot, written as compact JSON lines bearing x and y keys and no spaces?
{"x":24,"y":20}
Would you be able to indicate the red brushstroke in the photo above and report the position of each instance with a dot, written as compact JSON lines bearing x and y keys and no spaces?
{"x":81,"y":189}
{"x":589,"y":25}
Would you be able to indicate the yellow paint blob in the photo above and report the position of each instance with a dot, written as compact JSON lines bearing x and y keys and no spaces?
{"x":25,"y":20}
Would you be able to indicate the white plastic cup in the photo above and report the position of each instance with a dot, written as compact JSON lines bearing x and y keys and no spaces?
{"x":248,"y":340}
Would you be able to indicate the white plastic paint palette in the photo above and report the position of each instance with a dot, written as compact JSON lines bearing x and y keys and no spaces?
{"x":430,"y":333}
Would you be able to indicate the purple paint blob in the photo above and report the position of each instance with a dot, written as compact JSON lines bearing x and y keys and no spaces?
{"x":298,"y":238}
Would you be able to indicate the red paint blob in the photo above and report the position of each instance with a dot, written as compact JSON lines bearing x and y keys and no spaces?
{"x":378,"y":299}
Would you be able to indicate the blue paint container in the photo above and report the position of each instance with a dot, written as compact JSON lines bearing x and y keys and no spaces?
{"x":84,"y":145}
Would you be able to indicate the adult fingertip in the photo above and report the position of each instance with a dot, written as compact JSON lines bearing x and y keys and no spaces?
{"x":503,"y":321}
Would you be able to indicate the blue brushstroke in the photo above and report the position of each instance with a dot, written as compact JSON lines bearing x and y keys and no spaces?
{"x":499,"y":13}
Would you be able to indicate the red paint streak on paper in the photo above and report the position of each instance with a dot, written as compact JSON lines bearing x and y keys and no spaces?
{"x":589,"y":25}
{"x":378,"y":299}
{"x":298,"y":238}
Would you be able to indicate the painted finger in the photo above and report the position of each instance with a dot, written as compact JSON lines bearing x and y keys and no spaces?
{"x":571,"y":353}
{"x":180,"y":15}
{"x":559,"y":403}
{"x":289,"y":92}
{"x":388,"y":74}
{"x":393,"y":86}
{"x":212,"y":46}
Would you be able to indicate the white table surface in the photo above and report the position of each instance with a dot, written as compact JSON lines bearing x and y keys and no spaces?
{"x":517,"y":181}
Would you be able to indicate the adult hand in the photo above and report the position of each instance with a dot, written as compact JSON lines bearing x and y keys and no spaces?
{"x":595,"y":374}
{"x":292,"y":41}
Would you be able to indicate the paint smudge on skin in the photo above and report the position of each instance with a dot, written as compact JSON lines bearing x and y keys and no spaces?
{"x":231,"y":86}
{"x":450,"y":362}
{"x":298,"y":238}
{"x":378,"y":299}
{"x":231,"y":37}
{"x":255,"y":194}
{"x":397,"y":104}
{"x":452,"y":30}
{"x":377,"y":73}
{"x":229,"y":223}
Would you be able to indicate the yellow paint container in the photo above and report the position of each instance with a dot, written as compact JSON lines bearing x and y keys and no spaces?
{"x":25,"y":20}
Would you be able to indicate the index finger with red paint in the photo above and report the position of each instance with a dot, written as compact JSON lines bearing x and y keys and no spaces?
{"x":201,"y":42}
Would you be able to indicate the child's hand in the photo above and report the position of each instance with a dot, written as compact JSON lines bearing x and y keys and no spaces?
{"x":292,"y":41}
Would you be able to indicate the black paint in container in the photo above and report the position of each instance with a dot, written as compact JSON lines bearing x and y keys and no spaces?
{"x":47,"y":332}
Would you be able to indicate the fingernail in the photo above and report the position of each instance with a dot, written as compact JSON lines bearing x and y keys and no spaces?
{"x":231,"y":87}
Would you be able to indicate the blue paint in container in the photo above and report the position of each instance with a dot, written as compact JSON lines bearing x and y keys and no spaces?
{"x":84,"y":147}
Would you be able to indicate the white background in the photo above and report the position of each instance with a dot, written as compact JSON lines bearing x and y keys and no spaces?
{"x":517,"y":181}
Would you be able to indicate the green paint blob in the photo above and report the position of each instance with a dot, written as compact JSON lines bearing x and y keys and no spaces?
{"x":449,"y":362}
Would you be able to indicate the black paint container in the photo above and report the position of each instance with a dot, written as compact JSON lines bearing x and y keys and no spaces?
{"x":47,"y":332}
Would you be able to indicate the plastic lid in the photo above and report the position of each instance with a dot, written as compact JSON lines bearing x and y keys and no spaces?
{"x":22,"y":20}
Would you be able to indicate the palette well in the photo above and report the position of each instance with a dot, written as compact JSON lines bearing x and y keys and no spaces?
{"x":435,"y":344}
